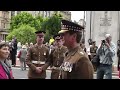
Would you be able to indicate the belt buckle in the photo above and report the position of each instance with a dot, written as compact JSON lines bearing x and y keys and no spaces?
{"x":34,"y":62}
{"x":38,"y":62}
{"x":42,"y":62}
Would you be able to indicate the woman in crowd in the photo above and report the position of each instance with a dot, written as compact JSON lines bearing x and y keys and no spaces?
{"x":5,"y":67}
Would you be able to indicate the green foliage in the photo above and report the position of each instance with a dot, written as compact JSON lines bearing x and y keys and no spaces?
{"x":47,"y":36}
{"x":39,"y":23}
{"x":53,"y":24}
{"x":21,"y":26}
{"x":20,"y":19}
{"x":24,"y":33}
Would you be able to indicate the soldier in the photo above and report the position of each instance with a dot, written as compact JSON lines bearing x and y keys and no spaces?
{"x":56,"y":57}
{"x":82,"y":45}
{"x":118,"y":55}
{"x":36,"y":57}
{"x":93,"y":50}
{"x":76,"y":64}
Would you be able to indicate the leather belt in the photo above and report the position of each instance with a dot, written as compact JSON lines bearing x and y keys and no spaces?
{"x":56,"y":68}
{"x":38,"y":62}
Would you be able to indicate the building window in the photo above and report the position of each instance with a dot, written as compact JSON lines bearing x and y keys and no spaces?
{"x":5,"y":14}
{"x":48,"y":13}
{"x":12,"y":13}
{"x":42,"y":14}
{"x":18,"y":12}
{"x":3,"y":25}
{"x":45,"y":13}
{"x":38,"y":12}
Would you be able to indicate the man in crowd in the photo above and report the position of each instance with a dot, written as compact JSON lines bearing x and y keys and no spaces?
{"x":106,"y":53}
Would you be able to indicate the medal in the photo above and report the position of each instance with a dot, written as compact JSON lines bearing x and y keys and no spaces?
{"x":70,"y":68}
{"x":57,"y":62}
{"x":44,"y":53}
{"x":38,"y":62}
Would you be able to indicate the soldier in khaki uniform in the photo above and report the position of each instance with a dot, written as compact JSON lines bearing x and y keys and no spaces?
{"x":76,"y":64}
{"x":57,"y":57}
{"x":36,"y":57}
{"x":93,"y":50}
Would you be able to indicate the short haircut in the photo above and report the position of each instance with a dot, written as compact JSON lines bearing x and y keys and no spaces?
{"x":4,"y":44}
{"x":79,"y":35}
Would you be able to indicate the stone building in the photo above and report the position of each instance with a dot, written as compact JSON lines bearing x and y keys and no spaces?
{"x":4,"y":24}
{"x":66,"y":14}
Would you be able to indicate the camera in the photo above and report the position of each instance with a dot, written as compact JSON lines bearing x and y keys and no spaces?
{"x":103,"y":41}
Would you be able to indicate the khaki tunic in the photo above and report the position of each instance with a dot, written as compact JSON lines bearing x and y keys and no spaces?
{"x":57,"y":57}
{"x":93,"y":51}
{"x":93,"y":54}
{"x":118,"y":55}
{"x":36,"y":53}
{"x":76,"y":65}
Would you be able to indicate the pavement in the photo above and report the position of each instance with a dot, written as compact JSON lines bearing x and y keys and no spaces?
{"x":19,"y":74}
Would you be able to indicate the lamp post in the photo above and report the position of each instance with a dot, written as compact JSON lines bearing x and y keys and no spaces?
{"x":83,"y":24}
{"x":84,"y":28}
{"x":90,"y":22}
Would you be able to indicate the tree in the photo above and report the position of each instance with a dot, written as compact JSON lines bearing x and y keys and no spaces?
{"x":20,"y":19}
{"x":47,"y":36}
{"x":53,"y":24}
{"x":39,"y":22}
{"x":24,"y":33}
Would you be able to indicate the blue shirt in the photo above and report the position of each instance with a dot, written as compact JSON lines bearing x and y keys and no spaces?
{"x":106,"y":54}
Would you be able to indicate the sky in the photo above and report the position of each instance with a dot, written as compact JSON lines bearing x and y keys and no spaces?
{"x":77,"y":15}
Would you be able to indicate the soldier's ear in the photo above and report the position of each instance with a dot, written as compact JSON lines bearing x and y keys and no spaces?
{"x":74,"y":35}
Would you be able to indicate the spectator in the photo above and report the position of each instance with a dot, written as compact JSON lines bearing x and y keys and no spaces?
{"x":22,"y":55}
{"x":5,"y":67}
{"x":106,"y":53}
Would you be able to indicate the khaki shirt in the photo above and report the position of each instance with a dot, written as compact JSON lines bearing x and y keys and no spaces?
{"x":36,"y":53}
{"x":76,"y":65}
{"x":57,"y":56}
{"x":93,"y":51}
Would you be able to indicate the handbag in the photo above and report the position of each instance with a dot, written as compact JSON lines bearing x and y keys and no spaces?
{"x":19,"y":54}
{"x":96,"y":61}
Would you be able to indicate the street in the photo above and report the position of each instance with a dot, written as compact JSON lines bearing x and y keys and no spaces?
{"x":18,"y":74}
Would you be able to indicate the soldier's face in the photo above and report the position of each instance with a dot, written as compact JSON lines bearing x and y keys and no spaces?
{"x":67,"y":39}
{"x":40,"y":38}
{"x":58,"y":42}
{"x":94,"y":44}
